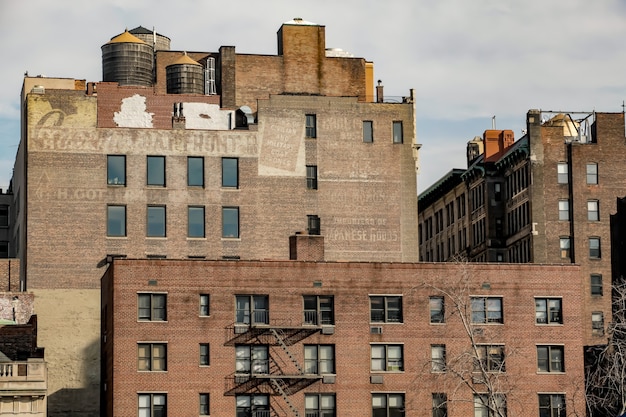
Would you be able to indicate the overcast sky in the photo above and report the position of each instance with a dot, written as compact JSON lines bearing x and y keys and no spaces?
{"x":466,"y":60}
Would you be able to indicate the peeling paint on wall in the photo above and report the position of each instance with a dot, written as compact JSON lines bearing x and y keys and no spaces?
{"x":133,"y":113}
{"x":206,"y":116}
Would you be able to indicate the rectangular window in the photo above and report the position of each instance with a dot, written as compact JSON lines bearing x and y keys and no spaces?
{"x":440,"y":404}
{"x":4,"y":249}
{"x":116,"y":221}
{"x":387,"y":358}
{"x":596,"y":284}
{"x":437,"y":310}
{"x":252,"y":309}
{"x":195,"y":171}
{"x":313,"y":224}
{"x":251,"y":359}
{"x":319,"y":309}
{"x":4,"y":216}
{"x":152,"y":307}
{"x":437,"y":358}
{"x":594,"y":248}
{"x":368,"y":131}
{"x":550,"y":359}
{"x":490,"y":358}
{"x":552,"y":405}
{"x":205,"y":359}
{"x":156,"y":171}
{"x":319,"y":405}
{"x":319,"y":359}
{"x":486,"y":406}
{"x":311,"y":126}
{"x":564,"y":247}
{"x":388,"y":405}
{"x":548,"y":311}
{"x":597,"y":323}
{"x":230,"y":222}
{"x":386,"y":309}
{"x":152,"y":405}
{"x":562,"y":173}
{"x":563,"y":209}
{"x":205,"y":409}
{"x":204,"y":304}
{"x":195,"y":221}
{"x":398,"y":134}
{"x":116,"y":169}
{"x":230,"y":172}
{"x":487,"y":310}
{"x":155,"y":221}
{"x":311,"y":177}
{"x":592,"y":173}
{"x":593,"y":210}
{"x":152,"y":356}
{"x":252,"y":405}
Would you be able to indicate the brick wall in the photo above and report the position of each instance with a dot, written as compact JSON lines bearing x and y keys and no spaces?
{"x":9,"y":275}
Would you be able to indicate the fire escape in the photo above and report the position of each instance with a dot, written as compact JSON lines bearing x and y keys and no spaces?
{"x":278,"y":374}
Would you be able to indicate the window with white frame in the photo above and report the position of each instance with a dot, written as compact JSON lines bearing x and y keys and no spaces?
{"x":252,"y":309}
{"x":387,"y":358}
{"x":251,"y":359}
{"x":437,"y":309}
{"x":564,"y":247}
{"x":597,"y":323}
{"x":257,"y":405}
{"x":319,"y":405}
{"x":594,"y":248}
{"x":548,"y":311}
{"x":550,"y":359}
{"x":386,"y":309}
{"x":440,"y":404}
{"x":205,"y":352}
{"x":593,"y":210}
{"x":319,"y":309}
{"x":592,"y":173}
{"x":562,"y":173}
{"x":152,"y":356}
{"x":205,"y":307}
{"x":487,"y":310}
{"x":489,"y":405}
{"x":205,"y":409}
{"x":563,"y":209}
{"x":152,"y":405}
{"x":596,"y":284}
{"x":388,"y":405}
{"x":552,"y":405}
{"x":152,"y":306}
{"x":437,"y":358}
{"x":319,"y":359}
{"x":490,"y":358}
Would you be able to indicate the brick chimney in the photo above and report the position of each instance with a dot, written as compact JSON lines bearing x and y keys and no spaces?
{"x":306,"y":247}
{"x":496,"y":142}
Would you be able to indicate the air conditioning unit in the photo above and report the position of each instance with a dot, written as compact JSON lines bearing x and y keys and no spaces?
{"x":241,"y":329}
{"x":328,"y":379}
{"x":376,"y":330}
{"x":478,"y":331}
{"x":328,"y":329}
{"x":376,"y":379}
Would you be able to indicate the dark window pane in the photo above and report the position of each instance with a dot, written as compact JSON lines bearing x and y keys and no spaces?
{"x":230,"y":172}
{"x":230,"y":222}
{"x":116,"y":170}
{"x":156,"y":170}
{"x":196,"y":222}
{"x":156,"y":221}
{"x":116,"y":221}
{"x":397,"y":132}
{"x":368,"y":131}
{"x":195,"y":171}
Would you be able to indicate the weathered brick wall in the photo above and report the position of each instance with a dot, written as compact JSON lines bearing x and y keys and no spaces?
{"x":350,"y":284}
{"x":9,"y":275}
{"x":19,"y":341}
{"x":17,"y":306}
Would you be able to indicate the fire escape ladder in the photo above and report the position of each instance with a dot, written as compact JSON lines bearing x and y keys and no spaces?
{"x":280,"y":386}
{"x":279,"y":335}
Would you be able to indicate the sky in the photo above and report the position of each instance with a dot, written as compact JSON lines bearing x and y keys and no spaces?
{"x":467,"y":61}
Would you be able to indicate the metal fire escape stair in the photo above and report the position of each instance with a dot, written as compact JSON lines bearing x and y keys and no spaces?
{"x":279,"y":335}
{"x":280,"y":386}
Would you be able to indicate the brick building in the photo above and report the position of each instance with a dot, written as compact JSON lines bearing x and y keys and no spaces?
{"x":6,"y":232}
{"x":288,"y":338}
{"x":546,"y":198}
{"x":150,"y":164}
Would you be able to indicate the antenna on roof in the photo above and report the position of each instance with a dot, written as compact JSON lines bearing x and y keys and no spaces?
{"x":493,"y":122}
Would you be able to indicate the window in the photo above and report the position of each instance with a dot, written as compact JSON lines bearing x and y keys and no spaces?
{"x":597,"y":323}
{"x":252,"y":405}
{"x":550,"y":359}
{"x":116,"y":221}
{"x":205,"y":359}
{"x":548,"y":311}
{"x":397,"y":132}
{"x":387,"y":405}
{"x":594,"y":247}
{"x":205,"y":409}
{"x":230,"y":172}
{"x":152,"y":307}
{"x":195,"y":221}
{"x":552,"y":405}
{"x":156,"y":221}
{"x":313,"y":224}
{"x":592,"y":174}
{"x":152,"y":405}
{"x":437,"y":358}
{"x":387,"y":358}
{"x":486,"y":310}
{"x":563,"y":209}
{"x":251,"y":359}
{"x":564,"y":247}
{"x":490,"y":358}
{"x":562,"y":173}
{"x":497,"y":191}
{"x":593,"y":210}
{"x":156,"y":171}
{"x":195,"y":171}
{"x":386,"y":309}
{"x":318,"y":309}
{"x":116,"y":169}
{"x":204,"y":304}
{"x":311,"y":126}
{"x":440,"y":404}
{"x":230,"y":222}
{"x":4,"y":249}
{"x":368,"y":131}
{"x":311,"y":177}
{"x":486,"y":406}
{"x":437,"y":311}
{"x":152,"y":356}
{"x":596,"y":284}
{"x":319,"y":359}
{"x":4,"y":216}
{"x":252,"y":309}
{"x":319,"y":405}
